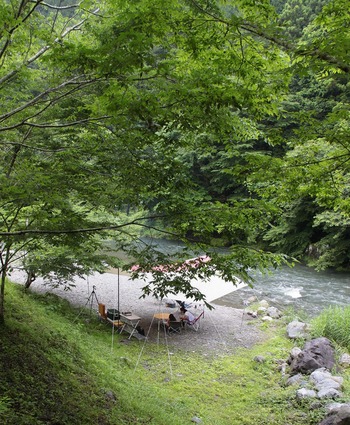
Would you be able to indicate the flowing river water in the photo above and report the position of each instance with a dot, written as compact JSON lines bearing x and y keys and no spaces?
{"x":299,"y":287}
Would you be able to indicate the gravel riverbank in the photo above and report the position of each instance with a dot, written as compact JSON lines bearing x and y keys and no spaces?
{"x":222,"y":330}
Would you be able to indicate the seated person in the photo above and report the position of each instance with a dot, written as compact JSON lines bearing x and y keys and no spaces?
{"x":186,"y":316}
{"x":173,"y":325}
{"x":172,"y":318}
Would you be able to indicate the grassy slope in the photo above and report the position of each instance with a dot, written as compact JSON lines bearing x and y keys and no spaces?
{"x":58,"y":366}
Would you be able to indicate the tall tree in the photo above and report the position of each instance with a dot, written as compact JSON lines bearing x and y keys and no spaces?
{"x":309,"y":184}
{"x":99,"y":104}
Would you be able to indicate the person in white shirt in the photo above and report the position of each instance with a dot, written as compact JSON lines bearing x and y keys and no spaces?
{"x":186,"y":316}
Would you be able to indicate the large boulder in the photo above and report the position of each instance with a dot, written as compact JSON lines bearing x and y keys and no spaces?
{"x":317,"y":353}
{"x":339,"y":416}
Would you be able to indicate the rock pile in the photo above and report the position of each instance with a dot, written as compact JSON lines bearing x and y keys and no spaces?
{"x":310,"y":371}
{"x":263,"y":310}
{"x":310,"y":368}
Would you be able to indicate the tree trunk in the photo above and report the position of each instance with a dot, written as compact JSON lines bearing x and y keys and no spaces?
{"x":4,"y":267}
{"x":2,"y":296}
{"x":30,"y":279}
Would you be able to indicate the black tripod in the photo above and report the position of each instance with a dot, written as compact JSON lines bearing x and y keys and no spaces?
{"x":92,"y":297}
{"x":90,"y":301}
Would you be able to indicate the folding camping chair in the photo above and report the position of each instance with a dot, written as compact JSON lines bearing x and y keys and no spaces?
{"x":102,"y":314}
{"x":174,"y":327}
{"x":196,"y":322}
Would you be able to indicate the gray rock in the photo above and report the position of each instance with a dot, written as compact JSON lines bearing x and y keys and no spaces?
{"x":267,"y":319}
{"x":261,"y":310}
{"x":274,"y":312}
{"x":328,"y":383}
{"x":304,"y":393}
{"x":252,"y":299}
{"x":344,"y":360}
{"x":295,"y":380}
{"x":196,"y":420}
{"x":329,"y":393}
{"x":323,"y":379}
{"x":259,"y":359}
{"x":317,"y":353}
{"x":333,"y":408}
{"x":297,"y":329}
{"x":344,"y":412}
{"x":340,"y":416}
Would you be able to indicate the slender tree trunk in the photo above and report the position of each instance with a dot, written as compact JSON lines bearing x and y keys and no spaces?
{"x":4,"y":267}
{"x":2,"y":296}
{"x":30,"y":279}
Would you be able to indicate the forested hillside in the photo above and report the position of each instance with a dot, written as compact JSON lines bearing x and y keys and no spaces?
{"x":310,"y":174}
{"x":216,"y":123}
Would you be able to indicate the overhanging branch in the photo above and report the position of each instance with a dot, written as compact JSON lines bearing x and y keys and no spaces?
{"x":136,"y":222}
{"x":276,"y":39}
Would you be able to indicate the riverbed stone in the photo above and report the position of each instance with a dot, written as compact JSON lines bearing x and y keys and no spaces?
{"x":267,"y":319}
{"x":297,"y":329}
{"x":274,"y":312}
{"x":263,"y":303}
{"x":322,"y":378}
{"x":329,"y":393}
{"x":252,"y":299}
{"x":295,"y":379}
{"x":259,"y":359}
{"x":340,"y":416}
{"x":305,"y":393}
{"x":334,"y":407}
{"x":261,"y":310}
{"x":344,"y":360}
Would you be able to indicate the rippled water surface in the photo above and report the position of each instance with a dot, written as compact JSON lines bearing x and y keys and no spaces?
{"x":299,"y":287}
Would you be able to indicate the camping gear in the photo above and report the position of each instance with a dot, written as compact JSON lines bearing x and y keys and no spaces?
{"x":113,"y":314}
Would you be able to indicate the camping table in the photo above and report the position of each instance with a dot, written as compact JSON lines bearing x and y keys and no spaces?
{"x":131,"y":321}
{"x":160,"y":317}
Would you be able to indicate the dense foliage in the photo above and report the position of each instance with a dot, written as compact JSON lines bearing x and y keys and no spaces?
{"x":308,"y":173}
{"x":200,"y":119}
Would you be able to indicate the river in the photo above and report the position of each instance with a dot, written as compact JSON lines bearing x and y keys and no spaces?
{"x":299,"y":287}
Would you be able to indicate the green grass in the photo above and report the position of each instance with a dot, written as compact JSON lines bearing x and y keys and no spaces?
{"x":58,"y":366}
{"x":333,"y":323}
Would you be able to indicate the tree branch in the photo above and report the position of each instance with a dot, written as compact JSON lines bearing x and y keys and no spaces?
{"x":13,"y":29}
{"x":292,"y":48}
{"x":74,"y":81}
{"x":135,"y":222}
{"x":67,"y":124}
{"x":73,"y":6}
{"x":279,"y":41}
{"x":44,"y":49}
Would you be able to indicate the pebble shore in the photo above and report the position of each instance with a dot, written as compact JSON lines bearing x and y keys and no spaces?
{"x":222,"y":329}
